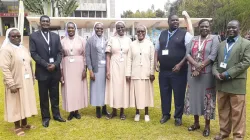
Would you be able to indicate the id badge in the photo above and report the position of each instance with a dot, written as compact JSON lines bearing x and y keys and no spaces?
{"x":223,"y":65}
{"x":26,"y":76}
{"x":71,"y":60}
{"x":103,"y":62}
{"x":164,"y":52}
{"x":141,"y":63}
{"x":51,"y":60}
{"x":121,"y":59}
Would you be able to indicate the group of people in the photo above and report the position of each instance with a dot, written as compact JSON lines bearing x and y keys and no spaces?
{"x":197,"y":69}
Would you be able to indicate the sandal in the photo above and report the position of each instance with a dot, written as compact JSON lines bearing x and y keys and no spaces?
{"x":122,"y":117}
{"x":193,"y":127}
{"x":28,"y":127}
{"x":110,"y":116}
{"x":19,"y":132}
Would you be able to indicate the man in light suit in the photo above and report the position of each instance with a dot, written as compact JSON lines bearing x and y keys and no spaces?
{"x":230,"y":70}
{"x":46,"y":50}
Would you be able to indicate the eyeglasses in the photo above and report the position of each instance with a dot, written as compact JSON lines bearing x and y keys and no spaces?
{"x":140,"y":31}
{"x":16,"y":36}
{"x":119,"y":28}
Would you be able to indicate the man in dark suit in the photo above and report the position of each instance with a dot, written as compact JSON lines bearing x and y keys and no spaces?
{"x":46,"y":50}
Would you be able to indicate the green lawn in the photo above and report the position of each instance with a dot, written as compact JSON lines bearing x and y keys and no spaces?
{"x":89,"y":127}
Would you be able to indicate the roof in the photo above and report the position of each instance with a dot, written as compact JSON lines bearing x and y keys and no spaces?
{"x":109,"y":22}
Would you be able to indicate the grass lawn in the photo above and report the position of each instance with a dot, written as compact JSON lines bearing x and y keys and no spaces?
{"x":89,"y":127}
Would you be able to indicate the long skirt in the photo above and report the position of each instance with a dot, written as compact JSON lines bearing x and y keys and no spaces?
{"x":141,"y":93}
{"x":201,"y":96}
{"x":97,"y":88}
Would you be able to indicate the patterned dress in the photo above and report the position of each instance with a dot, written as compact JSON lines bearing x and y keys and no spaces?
{"x":201,"y":94}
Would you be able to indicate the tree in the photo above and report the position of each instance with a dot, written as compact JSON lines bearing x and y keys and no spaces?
{"x":222,"y":11}
{"x":51,"y":7}
{"x":159,"y":13}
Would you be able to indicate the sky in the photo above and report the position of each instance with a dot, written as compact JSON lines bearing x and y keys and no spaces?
{"x":142,"y":5}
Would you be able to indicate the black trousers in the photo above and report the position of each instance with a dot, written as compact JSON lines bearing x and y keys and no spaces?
{"x":49,"y":90}
{"x":177,"y":82}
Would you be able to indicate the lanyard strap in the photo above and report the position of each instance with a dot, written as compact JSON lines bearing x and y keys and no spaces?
{"x":228,"y":49}
{"x":47,"y":40}
{"x":71,"y":46}
{"x":121,"y":49}
{"x":170,"y":35}
{"x":201,"y":44}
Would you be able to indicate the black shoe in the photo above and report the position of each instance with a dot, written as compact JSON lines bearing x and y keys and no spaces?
{"x":178,"y":122}
{"x":164,"y":119}
{"x":206,"y":132}
{"x":193,"y":127}
{"x":104,"y":110}
{"x":77,"y":116}
{"x":59,"y":119}
{"x":45,"y":122}
{"x":98,"y":112}
{"x":71,"y":115}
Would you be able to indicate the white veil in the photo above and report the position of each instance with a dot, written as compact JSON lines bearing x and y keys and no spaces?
{"x":115,"y":33}
{"x":6,"y":41}
{"x":66,"y":30}
{"x":93,"y":32}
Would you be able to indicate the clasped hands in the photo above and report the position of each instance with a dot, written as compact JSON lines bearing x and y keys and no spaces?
{"x":198,"y":68}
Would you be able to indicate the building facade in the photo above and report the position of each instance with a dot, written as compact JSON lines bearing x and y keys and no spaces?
{"x":9,"y":16}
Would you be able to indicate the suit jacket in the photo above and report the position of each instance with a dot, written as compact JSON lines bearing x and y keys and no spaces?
{"x":237,"y":65}
{"x":39,"y":50}
{"x":91,"y":54}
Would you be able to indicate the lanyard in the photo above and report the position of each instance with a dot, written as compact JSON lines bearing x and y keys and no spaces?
{"x":201,"y":44}
{"x":121,"y":52}
{"x":227,"y":50}
{"x":47,"y":40}
{"x":71,"y":46}
{"x":170,"y":35}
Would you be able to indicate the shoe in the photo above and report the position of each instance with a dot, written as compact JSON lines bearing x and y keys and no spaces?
{"x":104,"y":110}
{"x":137,"y":118}
{"x":193,"y":127}
{"x":164,"y":119}
{"x":178,"y":122}
{"x":59,"y":119}
{"x":77,"y":116}
{"x":147,"y":119}
{"x":45,"y":122}
{"x":122,"y":117}
{"x":206,"y":132}
{"x":98,"y":112}
{"x":220,"y":137}
{"x":110,"y":116}
{"x":71,"y":115}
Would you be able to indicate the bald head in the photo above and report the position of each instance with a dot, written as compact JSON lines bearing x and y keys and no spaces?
{"x":233,"y":28}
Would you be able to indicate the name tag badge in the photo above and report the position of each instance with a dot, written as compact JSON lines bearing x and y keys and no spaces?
{"x":71,"y":60}
{"x":51,"y":60}
{"x":223,"y":65}
{"x":121,"y":59}
{"x":103,"y":62}
{"x":164,"y":52}
{"x":141,"y":63}
{"x":26,"y":76}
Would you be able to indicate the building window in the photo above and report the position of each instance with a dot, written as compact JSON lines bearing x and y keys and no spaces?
{"x":85,"y":14}
{"x":104,"y":14}
{"x":85,"y":1}
{"x":90,"y":1}
{"x":91,"y":13}
{"x":98,"y":14}
{"x":78,"y":14}
{"x":98,"y":1}
{"x":104,"y":1}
